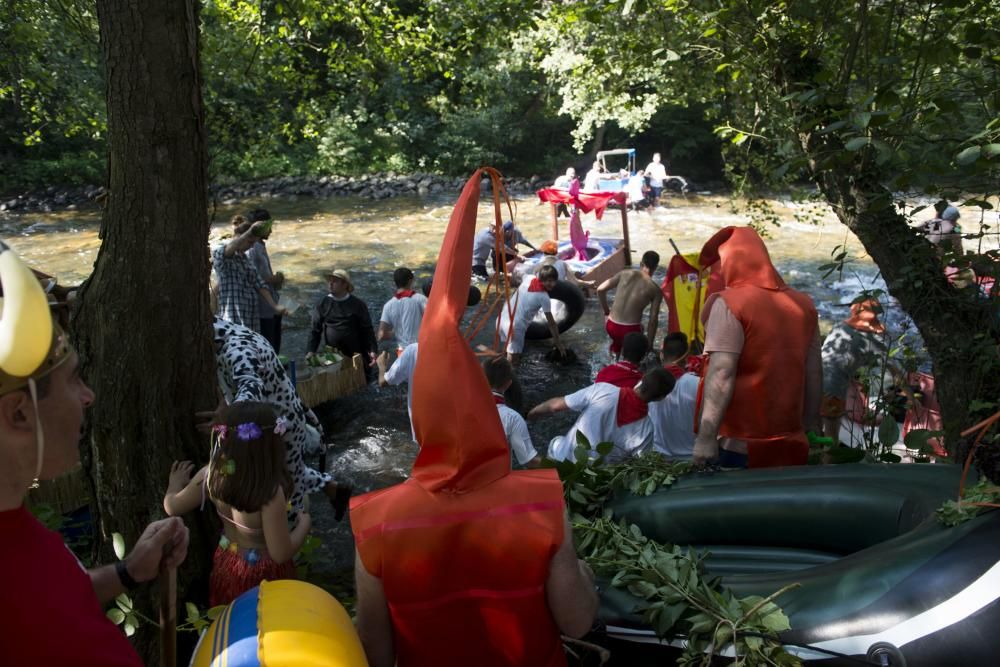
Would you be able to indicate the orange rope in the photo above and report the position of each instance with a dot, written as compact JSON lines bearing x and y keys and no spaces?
{"x":982,"y":427}
{"x":484,"y":303}
{"x":501,"y":250}
{"x":488,"y":306}
{"x":482,"y":316}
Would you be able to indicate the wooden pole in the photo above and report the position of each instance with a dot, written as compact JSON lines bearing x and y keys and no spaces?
{"x":628,"y":247}
{"x":555,"y":220}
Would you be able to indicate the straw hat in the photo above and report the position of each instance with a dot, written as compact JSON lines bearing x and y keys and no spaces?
{"x":343,"y":275}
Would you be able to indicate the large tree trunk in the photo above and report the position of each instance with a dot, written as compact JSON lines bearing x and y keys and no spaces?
{"x":144,"y":325}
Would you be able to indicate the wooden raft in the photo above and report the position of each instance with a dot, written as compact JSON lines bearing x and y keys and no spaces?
{"x":331,"y":382}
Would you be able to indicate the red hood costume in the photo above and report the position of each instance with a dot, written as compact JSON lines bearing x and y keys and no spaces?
{"x":463,"y":546}
{"x":779,"y":324}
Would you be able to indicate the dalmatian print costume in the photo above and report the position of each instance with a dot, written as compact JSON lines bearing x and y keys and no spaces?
{"x":249,"y":370}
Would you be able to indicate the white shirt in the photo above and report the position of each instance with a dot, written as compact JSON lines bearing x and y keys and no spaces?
{"x":673,"y":419}
{"x":592,"y":181}
{"x":514,"y":427}
{"x":527,"y":303}
{"x":402,"y":371}
{"x":657,"y":174}
{"x":634,"y":188}
{"x":598,"y":408}
{"x":404,"y":316}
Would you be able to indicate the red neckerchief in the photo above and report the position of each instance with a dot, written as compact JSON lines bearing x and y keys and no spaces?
{"x":695,"y":364}
{"x":631,"y":408}
{"x":620,"y":374}
{"x":404,"y":293}
{"x":675,"y":370}
{"x":499,"y":399}
{"x":536,"y":286}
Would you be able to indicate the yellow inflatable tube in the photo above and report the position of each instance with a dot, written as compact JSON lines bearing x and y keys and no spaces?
{"x":282,"y":623}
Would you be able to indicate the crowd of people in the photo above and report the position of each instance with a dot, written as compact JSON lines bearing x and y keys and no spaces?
{"x":747,"y":397}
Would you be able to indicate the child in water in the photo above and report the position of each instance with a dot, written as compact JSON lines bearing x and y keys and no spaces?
{"x":248,"y":482}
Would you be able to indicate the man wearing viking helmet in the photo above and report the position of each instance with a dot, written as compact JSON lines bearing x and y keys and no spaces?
{"x":52,"y":611}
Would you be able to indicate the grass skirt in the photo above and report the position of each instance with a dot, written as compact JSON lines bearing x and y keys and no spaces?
{"x":232,"y":574}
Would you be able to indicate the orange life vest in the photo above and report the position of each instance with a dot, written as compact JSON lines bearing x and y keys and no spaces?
{"x":779,"y":325}
{"x":766,"y":408}
{"x":463,"y":547}
{"x":465,"y":575}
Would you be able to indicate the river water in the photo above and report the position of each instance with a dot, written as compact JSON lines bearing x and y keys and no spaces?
{"x":370,"y":238}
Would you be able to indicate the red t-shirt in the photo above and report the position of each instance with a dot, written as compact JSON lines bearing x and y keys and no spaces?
{"x":49,"y":614}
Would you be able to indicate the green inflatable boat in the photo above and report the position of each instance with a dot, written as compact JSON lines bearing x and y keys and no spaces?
{"x":882,"y":581}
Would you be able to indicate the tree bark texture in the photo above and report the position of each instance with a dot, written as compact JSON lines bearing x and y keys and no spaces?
{"x":143,"y":325}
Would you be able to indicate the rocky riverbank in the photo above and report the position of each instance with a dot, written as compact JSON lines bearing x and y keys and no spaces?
{"x":369,"y":186}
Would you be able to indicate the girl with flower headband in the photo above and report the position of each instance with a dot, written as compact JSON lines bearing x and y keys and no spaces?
{"x":249,"y":483}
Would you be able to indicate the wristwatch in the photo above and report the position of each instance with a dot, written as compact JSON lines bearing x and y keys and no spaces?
{"x":122,"y":571}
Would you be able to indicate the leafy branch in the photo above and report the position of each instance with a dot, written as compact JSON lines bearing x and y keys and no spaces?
{"x":976,"y":498}
{"x":676,"y":599}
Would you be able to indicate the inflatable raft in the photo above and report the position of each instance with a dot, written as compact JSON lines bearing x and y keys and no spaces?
{"x":881,"y":579}
{"x":598,"y":251}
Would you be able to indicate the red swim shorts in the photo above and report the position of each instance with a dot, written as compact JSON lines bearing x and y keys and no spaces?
{"x":617,"y":332}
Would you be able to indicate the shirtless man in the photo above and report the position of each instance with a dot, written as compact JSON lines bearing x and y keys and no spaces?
{"x":635,"y":291}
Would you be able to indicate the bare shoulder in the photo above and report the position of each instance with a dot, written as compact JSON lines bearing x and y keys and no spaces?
{"x":626,"y":276}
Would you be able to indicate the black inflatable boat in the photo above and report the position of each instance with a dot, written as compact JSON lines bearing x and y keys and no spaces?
{"x":882,"y":581}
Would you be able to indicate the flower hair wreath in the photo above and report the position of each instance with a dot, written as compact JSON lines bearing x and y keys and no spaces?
{"x":246,"y":432}
{"x":250,"y":430}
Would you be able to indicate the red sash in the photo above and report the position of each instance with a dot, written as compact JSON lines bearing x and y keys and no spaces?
{"x":674,"y":370}
{"x":621,"y":374}
{"x":631,"y":408}
{"x":404,"y":293}
{"x":536,"y":286}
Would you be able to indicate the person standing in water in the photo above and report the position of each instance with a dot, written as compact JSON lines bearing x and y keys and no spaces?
{"x":635,"y":290}
{"x":341,"y":320}
{"x":270,"y":319}
{"x":403,"y":313}
{"x":657,"y":173}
